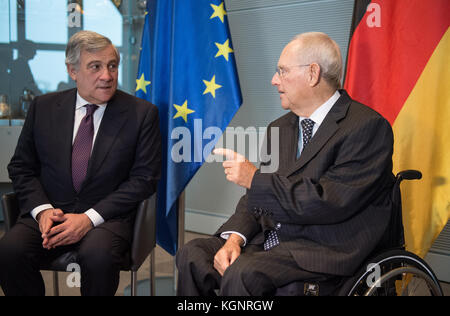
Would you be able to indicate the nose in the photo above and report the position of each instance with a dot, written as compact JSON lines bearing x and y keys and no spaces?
{"x":275,"y":79}
{"x":106,"y":74}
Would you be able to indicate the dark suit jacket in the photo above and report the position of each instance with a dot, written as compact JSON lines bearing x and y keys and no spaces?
{"x":333,"y":204}
{"x":123,"y":169}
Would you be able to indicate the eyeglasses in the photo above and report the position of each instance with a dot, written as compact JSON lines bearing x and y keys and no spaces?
{"x":283,"y":71}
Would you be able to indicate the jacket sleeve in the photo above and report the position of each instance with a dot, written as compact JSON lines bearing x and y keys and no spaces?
{"x":24,"y":168}
{"x":360,"y":166}
{"x":249,"y":221}
{"x":241,"y":221}
{"x":143,"y":176}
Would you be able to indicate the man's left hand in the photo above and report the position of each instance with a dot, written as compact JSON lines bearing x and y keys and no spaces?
{"x":72,"y":229}
{"x":237,"y":168}
{"x":228,"y":254}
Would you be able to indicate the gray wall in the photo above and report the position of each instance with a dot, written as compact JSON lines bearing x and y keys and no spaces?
{"x":260,"y":29}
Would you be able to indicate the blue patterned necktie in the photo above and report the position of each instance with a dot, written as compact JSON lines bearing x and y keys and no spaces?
{"x":82,"y":147}
{"x":271,"y":240}
{"x":307,"y":130}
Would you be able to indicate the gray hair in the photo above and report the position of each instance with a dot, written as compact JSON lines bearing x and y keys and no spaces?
{"x":319,"y":48}
{"x":86,"y":41}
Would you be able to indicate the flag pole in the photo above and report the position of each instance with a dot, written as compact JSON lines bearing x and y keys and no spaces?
{"x":181,"y":218}
{"x":181,"y":201}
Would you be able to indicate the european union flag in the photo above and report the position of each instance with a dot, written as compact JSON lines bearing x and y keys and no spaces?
{"x":187,"y":68}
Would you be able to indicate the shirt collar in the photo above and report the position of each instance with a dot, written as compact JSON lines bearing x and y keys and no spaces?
{"x":82,"y":102}
{"x":321,"y":112}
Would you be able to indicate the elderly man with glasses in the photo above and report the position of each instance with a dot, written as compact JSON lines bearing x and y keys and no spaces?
{"x":326,"y":207}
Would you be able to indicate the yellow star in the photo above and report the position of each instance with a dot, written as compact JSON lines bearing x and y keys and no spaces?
{"x":183,"y":111}
{"x":219,"y":12}
{"x":141,"y":84}
{"x":211,"y":86}
{"x":224,"y":49}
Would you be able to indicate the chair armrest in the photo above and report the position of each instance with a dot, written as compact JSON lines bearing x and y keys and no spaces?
{"x":144,"y":234}
{"x":394,"y":236}
{"x":11,"y":209}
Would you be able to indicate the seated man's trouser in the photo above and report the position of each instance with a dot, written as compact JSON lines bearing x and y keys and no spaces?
{"x":256,"y":272}
{"x":100,"y":255}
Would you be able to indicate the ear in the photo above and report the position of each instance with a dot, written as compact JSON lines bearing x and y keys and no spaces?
{"x":72,"y":71}
{"x":314,"y":74}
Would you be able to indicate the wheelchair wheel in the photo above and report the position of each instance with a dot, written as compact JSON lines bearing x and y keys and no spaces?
{"x":394,"y":273}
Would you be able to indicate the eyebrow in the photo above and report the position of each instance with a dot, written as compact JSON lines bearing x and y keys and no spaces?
{"x":94,"y":62}
{"x":99,"y":61}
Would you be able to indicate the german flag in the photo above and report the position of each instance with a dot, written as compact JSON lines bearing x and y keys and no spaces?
{"x":399,"y":64}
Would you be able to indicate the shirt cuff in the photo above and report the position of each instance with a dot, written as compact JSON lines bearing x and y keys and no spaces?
{"x":226,"y":235}
{"x":95,"y":217}
{"x":34,"y":213}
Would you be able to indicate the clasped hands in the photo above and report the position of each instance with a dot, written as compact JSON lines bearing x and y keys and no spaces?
{"x":71,"y":228}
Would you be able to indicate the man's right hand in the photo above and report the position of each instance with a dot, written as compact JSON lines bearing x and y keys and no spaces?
{"x":46,"y":222}
{"x":228,"y":253}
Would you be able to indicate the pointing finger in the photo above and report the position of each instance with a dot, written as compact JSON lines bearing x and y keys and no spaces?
{"x":229,"y":154}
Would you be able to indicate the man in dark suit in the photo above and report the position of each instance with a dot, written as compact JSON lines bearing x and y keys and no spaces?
{"x":85,"y":158}
{"x":326,"y":207}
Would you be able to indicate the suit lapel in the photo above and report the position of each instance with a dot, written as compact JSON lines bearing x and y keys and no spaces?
{"x":112,"y":122}
{"x":326,"y":130}
{"x":63,"y":121}
{"x":288,"y":136}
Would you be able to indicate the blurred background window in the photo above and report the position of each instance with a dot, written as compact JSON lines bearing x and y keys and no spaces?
{"x":33,"y":38}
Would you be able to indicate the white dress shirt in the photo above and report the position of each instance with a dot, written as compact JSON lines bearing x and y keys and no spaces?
{"x":318,"y":116}
{"x":80,"y":112}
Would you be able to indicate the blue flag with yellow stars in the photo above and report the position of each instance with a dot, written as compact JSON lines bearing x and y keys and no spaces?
{"x":187,"y":69}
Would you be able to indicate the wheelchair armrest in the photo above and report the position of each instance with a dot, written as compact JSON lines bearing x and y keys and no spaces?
{"x":11,"y":209}
{"x":409,"y":175}
{"x":144,"y":234}
{"x":394,"y":235}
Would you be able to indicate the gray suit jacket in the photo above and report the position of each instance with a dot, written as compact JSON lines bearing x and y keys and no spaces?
{"x":333,"y":204}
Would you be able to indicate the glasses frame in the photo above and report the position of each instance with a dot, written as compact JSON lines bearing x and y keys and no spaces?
{"x":283,"y":72}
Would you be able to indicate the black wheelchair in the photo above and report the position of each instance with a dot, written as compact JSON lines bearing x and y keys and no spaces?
{"x":393,"y":271}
